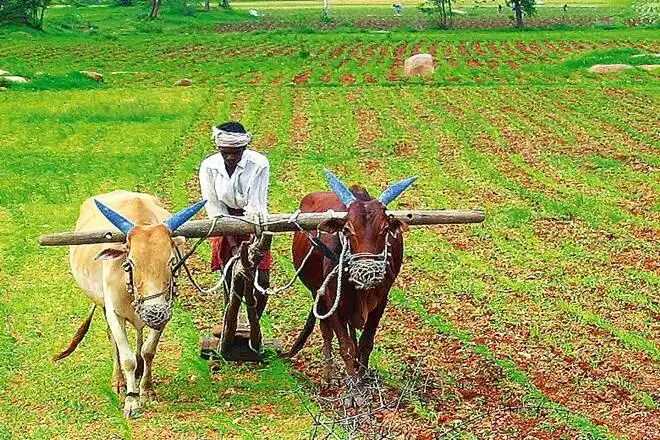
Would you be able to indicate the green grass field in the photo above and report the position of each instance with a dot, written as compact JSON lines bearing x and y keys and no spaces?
{"x":551,"y":305}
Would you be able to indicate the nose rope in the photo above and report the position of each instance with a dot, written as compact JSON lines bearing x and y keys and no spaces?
{"x":365,"y":270}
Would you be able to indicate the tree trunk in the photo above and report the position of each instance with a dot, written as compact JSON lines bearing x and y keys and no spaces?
{"x":155,"y":6}
{"x":519,"y":13}
{"x":207,"y":5}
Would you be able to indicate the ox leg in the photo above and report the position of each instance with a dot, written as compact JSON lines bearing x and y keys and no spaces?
{"x":328,"y":336}
{"x":367,"y":338}
{"x":118,"y":382}
{"x":127,"y":360}
{"x":148,"y":354}
{"x":139,"y":368}
{"x":347,"y":348}
{"x":348,"y":351}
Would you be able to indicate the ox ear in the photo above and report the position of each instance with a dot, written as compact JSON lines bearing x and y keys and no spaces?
{"x":395,"y":190}
{"x":397,"y":226}
{"x":338,"y":187}
{"x":333,"y":225}
{"x":111,"y":254}
{"x":183,"y":216}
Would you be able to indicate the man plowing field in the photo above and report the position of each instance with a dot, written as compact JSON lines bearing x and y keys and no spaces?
{"x":234,"y":181}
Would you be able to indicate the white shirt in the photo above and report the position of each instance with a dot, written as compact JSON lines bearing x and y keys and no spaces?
{"x":246,"y":189}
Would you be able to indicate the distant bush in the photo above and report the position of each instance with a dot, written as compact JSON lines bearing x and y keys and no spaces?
{"x":29,"y":12}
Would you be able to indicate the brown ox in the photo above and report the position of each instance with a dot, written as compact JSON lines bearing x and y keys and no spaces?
{"x":372,"y":246}
{"x":132,"y":281}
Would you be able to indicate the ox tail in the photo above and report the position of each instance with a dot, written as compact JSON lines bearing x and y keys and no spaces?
{"x":78,"y":337}
{"x":302,"y":337}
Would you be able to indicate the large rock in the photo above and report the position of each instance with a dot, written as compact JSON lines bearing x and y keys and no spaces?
{"x":649,"y":67}
{"x":92,"y":75}
{"x":2,"y":89}
{"x":185,"y":82}
{"x":4,"y":72}
{"x":15,"y":79}
{"x":419,"y":65}
{"x":609,"y":68}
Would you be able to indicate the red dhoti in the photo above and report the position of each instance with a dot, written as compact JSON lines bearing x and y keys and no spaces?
{"x":224,"y":247}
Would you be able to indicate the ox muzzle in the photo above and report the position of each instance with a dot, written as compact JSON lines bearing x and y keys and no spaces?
{"x":366,"y":270}
{"x":156,"y":315}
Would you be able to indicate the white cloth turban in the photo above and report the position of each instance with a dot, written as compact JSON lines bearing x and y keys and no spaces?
{"x":230,"y":139}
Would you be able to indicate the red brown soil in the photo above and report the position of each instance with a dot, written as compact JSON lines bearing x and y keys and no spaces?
{"x":394,"y":73}
{"x":347,"y":79}
{"x":302,"y":78}
{"x":369,"y":78}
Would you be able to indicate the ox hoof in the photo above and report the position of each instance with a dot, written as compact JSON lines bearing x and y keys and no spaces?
{"x":131,"y":407}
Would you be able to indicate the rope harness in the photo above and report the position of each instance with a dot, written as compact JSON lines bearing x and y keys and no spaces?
{"x":365,"y":270}
{"x":155,"y":315}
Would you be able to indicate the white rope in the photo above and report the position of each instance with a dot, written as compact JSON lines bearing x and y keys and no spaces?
{"x":288,"y":285}
{"x":268,"y":291}
{"x":338,"y":268}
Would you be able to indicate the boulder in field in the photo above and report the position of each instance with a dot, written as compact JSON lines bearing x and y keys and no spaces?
{"x":419,"y":65}
{"x":15,"y":79}
{"x":184,"y":82}
{"x":4,"y":72}
{"x":92,"y":75}
{"x":649,"y":67}
{"x":609,"y":68}
{"x":2,"y":89}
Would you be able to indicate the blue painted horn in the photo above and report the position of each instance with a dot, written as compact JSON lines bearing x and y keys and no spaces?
{"x":183,"y":216}
{"x":395,"y":190}
{"x":121,"y":222}
{"x":338,"y":187}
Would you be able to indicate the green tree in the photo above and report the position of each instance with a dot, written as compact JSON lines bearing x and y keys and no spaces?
{"x":29,"y":12}
{"x":521,"y":8}
{"x":441,"y":9}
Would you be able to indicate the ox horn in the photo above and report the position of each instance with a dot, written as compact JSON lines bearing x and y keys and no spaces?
{"x":395,"y":190}
{"x":183,"y":216}
{"x":338,"y":187}
{"x":121,"y":222}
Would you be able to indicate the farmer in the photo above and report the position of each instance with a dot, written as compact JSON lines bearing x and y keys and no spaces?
{"x":234,"y":181}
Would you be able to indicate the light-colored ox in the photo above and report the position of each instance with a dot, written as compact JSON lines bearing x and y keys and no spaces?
{"x":132,"y":281}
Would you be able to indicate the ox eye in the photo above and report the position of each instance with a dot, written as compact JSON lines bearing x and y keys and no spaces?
{"x":127,"y":265}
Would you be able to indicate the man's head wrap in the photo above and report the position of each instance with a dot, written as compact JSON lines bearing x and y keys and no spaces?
{"x":230,"y":139}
